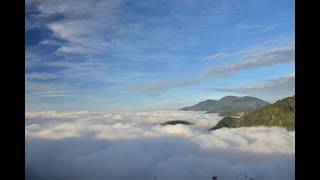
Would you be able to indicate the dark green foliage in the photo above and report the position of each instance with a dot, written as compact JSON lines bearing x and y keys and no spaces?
{"x":232,"y":111}
{"x":176,"y":122}
{"x":280,"y":113}
{"x":242,"y":102}
{"x":225,"y":122}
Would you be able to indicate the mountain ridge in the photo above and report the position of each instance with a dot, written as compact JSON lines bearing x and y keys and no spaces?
{"x":233,"y":103}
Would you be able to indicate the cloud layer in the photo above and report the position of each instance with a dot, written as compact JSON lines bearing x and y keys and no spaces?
{"x":116,"y":146}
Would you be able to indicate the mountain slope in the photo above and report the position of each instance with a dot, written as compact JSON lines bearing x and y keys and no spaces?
{"x":229,"y":102}
{"x":232,"y":111}
{"x":225,"y":122}
{"x":280,"y":113}
{"x":202,"y":106}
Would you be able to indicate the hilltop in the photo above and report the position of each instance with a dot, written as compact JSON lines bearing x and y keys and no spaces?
{"x":174,"y":122}
{"x":280,"y":113}
{"x":228,"y":105}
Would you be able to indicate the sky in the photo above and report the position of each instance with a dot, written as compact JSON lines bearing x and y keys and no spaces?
{"x":125,"y":55}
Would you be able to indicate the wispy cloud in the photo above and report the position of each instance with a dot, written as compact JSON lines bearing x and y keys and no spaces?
{"x":149,"y":88}
{"x":276,"y":43}
{"x":57,"y":94}
{"x":218,"y":56}
{"x":41,"y":76}
{"x":50,"y":89}
{"x":38,"y":95}
{"x":272,"y":89}
{"x":257,"y":58}
{"x":244,"y":27}
{"x":272,"y":57}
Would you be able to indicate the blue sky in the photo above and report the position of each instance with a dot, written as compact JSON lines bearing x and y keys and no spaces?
{"x":125,"y":55}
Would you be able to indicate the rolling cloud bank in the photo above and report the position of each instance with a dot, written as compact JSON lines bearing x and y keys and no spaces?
{"x":123,"y":145}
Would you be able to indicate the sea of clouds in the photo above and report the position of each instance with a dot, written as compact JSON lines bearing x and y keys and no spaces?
{"x":133,"y":145}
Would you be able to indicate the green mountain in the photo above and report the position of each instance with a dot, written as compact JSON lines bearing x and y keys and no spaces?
{"x":202,"y":106}
{"x":230,"y":105}
{"x":225,"y":122}
{"x":280,"y":113}
{"x":176,"y":122}
{"x":232,"y":111}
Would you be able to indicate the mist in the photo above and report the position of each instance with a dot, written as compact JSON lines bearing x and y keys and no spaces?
{"x":119,"y":146}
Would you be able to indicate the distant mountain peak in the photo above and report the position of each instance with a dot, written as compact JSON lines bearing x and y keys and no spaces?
{"x":227,"y":102}
{"x":208,"y":100}
{"x":229,"y":97}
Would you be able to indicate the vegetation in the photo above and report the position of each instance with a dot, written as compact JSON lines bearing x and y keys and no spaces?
{"x":176,"y":122}
{"x":225,"y":122}
{"x":232,"y":111}
{"x":202,"y":106}
{"x":280,"y":113}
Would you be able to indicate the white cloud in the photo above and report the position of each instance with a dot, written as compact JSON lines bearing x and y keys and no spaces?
{"x":72,"y":49}
{"x":84,"y":145}
{"x":81,"y":19}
